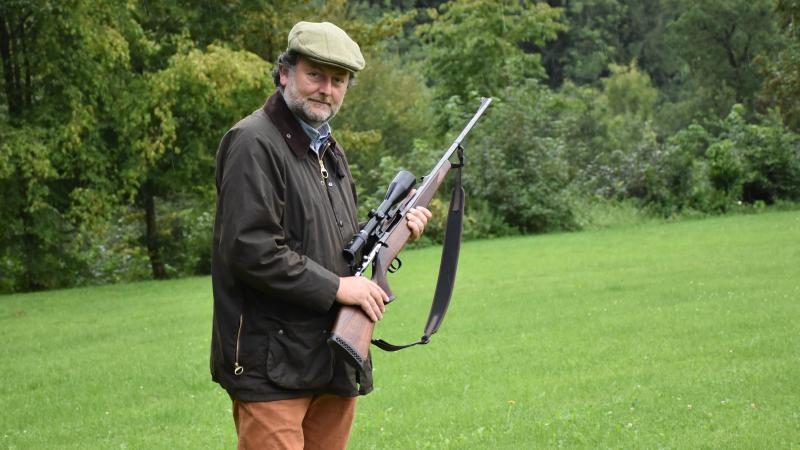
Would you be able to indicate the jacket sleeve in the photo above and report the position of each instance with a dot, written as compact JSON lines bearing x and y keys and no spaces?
{"x":252,"y":241}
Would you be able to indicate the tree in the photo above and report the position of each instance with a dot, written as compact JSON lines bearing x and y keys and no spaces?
{"x":643,"y":32}
{"x":591,"y":42}
{"x":782,"y":71}
{"x":385,"y":113}
{"x":623,"y":159}
{"x":719,"y":41}
{"x":176,"y":119}
{"x":524,"y":179}
{"x":58,"y":149}
{"x":477,"y":47}
{"x":258,"y":26}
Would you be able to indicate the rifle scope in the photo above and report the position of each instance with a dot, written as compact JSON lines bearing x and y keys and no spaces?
{"x":399,"y":188}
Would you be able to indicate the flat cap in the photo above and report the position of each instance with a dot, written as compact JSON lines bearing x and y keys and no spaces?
{"x":326,"y":43}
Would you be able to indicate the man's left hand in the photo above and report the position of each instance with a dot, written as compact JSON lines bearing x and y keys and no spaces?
{"x":417,"y":219}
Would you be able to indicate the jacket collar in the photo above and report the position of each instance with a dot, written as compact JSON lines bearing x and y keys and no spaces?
{"x":291,"y":130}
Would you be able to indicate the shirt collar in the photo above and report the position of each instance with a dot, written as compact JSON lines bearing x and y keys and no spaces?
{"x":318,"y":136}
{"x":295,"y":135}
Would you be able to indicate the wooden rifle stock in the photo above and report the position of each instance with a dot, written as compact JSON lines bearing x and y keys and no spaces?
{"x":352,"y":332}
{"x":353,"y":329}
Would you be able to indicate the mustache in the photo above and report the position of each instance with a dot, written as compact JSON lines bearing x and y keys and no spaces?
{"x":321,"y":100}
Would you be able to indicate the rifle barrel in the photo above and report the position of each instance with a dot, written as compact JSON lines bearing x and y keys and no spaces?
{"x":485,"y":101}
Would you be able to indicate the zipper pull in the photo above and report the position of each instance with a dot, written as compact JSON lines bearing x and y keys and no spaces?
{"x":237,"y":369}
{"x":323,"y":171}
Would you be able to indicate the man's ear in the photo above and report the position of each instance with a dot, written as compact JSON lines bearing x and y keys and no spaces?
{"x":284,"y":75}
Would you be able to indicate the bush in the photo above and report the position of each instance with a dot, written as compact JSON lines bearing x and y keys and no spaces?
{"x":524,"y":172}
{"x":743,"y":163}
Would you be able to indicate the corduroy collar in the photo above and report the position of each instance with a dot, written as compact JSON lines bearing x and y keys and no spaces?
{"x":291,"y":130}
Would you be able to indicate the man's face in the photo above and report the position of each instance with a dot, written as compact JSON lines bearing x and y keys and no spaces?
{"x":313,"y":91}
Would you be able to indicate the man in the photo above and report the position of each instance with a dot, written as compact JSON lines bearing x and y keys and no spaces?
{"x":286,"y":207}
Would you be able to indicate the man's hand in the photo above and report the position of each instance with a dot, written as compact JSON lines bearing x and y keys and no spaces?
{"x":417,"y":219}
{"x":363,"y":292}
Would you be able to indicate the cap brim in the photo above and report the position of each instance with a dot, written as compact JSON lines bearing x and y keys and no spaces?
{"x":329,"y":63}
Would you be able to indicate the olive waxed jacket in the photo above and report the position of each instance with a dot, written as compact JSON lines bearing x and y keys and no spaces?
{"x":283,"y":217}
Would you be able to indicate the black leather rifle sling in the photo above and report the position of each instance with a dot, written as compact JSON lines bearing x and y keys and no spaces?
{"x":447,"y":266}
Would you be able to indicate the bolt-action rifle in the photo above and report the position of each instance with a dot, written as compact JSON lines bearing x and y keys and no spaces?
{"x":380,"y":240}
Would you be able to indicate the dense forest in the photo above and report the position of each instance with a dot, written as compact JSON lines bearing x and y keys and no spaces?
{"x":111,"y":113}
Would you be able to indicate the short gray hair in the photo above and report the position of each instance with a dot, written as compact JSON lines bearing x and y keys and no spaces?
{"x":286,"y":59}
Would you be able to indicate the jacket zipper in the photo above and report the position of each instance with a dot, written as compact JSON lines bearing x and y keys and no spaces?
{"x":322,"y":170}
{"x":237,"y":369}
{"x":324,"y":173}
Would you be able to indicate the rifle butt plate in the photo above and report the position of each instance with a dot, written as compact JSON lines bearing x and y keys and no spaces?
{"x":350,"y":354}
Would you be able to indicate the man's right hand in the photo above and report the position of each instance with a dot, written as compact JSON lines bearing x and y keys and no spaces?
{"x":362,"y":292}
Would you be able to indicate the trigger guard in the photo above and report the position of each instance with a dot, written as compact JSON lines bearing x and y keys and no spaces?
{"x":395,"y":265}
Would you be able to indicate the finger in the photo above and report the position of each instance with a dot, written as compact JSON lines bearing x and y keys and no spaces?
{"x":369,"y":302}
{"x":421,"y":221}
{"x":375,"y":302}
{"x":425,"y":211}
{"x":415,"y":231}
{"x":419,"y":218}
{"x":414,"y":219}
{"x":382,"y":295}
{"x":381,"y":302}
{"x":383,"y":298}
{"x":369,"y":311}
{"x":379,"y":297}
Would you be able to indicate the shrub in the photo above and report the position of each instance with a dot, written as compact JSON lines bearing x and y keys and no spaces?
{"x":742,"y":163}
{"x":524,"y":170}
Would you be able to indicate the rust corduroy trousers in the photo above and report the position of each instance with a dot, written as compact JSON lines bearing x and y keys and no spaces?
{"x":314,"y":422}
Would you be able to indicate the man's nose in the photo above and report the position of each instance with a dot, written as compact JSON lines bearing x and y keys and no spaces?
{"x":325,"y":85}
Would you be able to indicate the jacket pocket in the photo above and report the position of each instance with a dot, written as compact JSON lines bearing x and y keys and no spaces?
{"x":298,"y":355}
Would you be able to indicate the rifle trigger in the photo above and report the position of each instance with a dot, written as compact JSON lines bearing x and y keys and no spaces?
{"x":395,"y":265}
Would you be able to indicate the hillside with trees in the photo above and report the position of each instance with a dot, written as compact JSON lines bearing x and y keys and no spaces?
{"x":111,"y":113}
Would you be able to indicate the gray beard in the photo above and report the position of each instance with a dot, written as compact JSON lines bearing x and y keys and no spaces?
{"x":298,"y":107}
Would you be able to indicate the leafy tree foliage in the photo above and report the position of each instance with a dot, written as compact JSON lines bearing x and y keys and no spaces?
{"x":719,"y":41}
{"x":58,"y":151}
{"x":475,"y":47}
{"x":384,"y":115}
{"x":524,"y":175}
{"x":622,"y":159}
{"x":111,"y":113}
{"x":584,"y":50}
{"x":643,"y":38}
{"x":765,"y":158}
{"x":604,"y":32}
{"x":178,"y":115}
{"x":782,"y":72}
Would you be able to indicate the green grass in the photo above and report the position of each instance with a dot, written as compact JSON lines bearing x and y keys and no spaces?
{"x":680,"y":335}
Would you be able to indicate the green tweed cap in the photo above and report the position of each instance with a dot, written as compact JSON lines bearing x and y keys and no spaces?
{"x":327,"y":44}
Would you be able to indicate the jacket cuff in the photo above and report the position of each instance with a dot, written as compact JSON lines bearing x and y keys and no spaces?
{"x":326,"y":288}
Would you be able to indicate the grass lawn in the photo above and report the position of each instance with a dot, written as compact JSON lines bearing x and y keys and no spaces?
{"x":681,"y":335}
